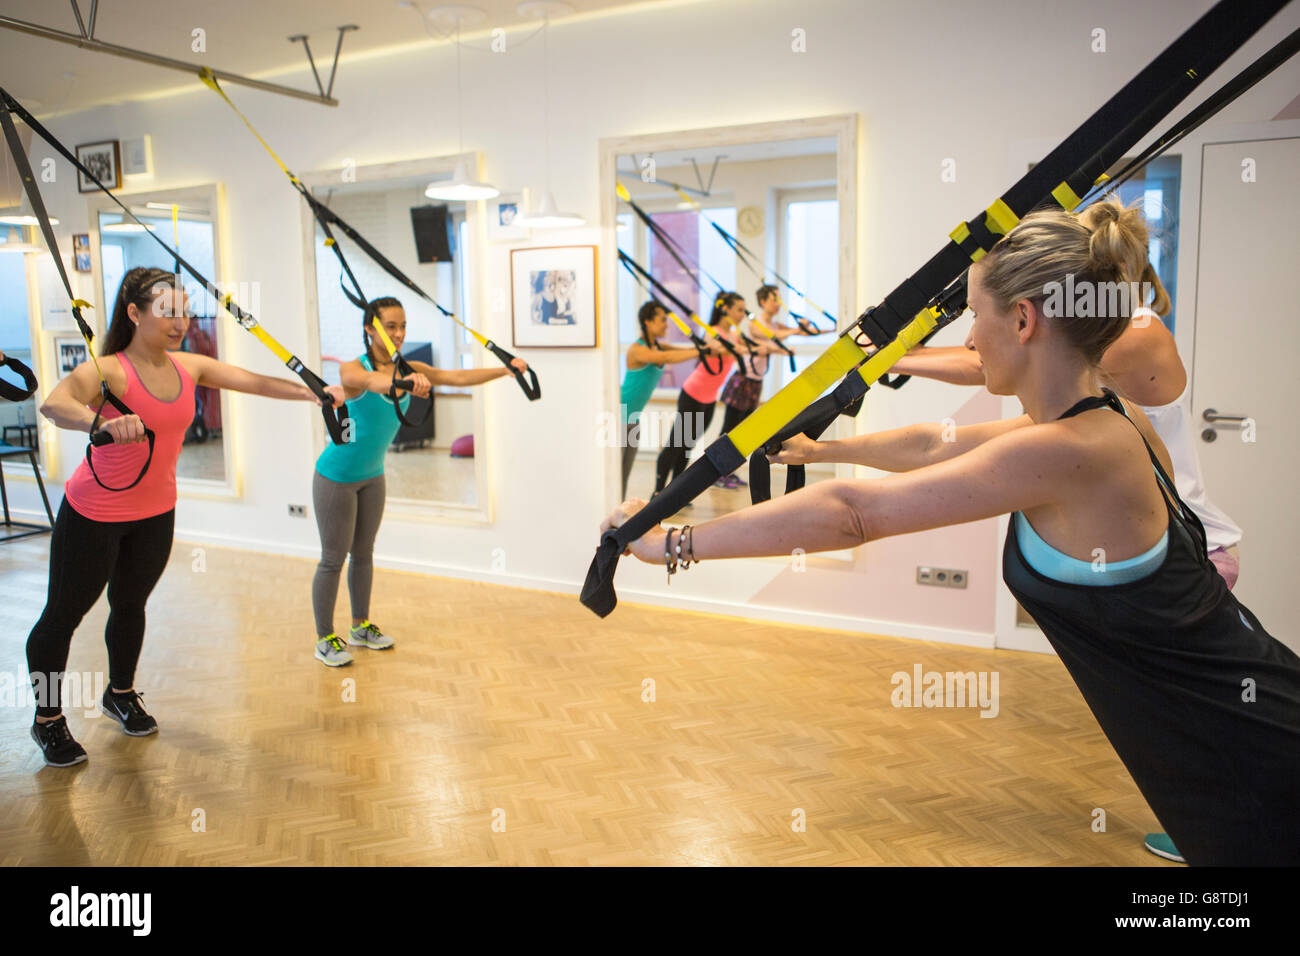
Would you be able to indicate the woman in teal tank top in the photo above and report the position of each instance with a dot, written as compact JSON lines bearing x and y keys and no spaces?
{"x":646,"y":359}
{"x":348,"y":486}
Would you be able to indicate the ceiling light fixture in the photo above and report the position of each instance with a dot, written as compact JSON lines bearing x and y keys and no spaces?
{"x":461,"y":188}
{"x":547,"y":215}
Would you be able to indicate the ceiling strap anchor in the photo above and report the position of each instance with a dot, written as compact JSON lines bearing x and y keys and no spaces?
{"x":324,"y":90}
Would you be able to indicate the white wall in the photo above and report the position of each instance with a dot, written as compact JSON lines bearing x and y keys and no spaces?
{"x":931,"y":80}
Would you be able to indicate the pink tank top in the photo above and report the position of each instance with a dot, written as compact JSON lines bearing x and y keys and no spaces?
{"x":704,"y":386}
{"x":118,"y":465}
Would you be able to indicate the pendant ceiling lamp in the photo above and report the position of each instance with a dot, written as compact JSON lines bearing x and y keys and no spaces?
{"x":548,"y":214}
{"x":14,"y":242}
{"x":462,"y":187}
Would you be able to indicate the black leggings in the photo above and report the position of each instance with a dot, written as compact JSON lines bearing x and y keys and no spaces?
{"x":128,"y":556}
{"x":691,"y":422}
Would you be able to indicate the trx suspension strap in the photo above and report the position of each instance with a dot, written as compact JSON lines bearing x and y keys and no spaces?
{"x":326,"y":217}
{"x":335,"y":421}
{"x":97,"y":437}
{"x":11,"y":392}
{"x":913,"y":309}
{"x":749,"y":258}
{"x":671,"y":246}
{"x":653,"y":285}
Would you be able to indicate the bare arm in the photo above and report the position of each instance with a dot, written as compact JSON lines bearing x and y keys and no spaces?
{"x":211,"y":373}
{"x":1144,"y":365}
{"x":1022,"y":469}
{"x":899,"y":449}
{"x":466,"y":376}
{"x":955,"y":365}
{"x":639,"y":356}
{"x":67,"y":401}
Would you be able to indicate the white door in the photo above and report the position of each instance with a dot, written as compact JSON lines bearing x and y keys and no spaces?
{"x":1247,"y":346}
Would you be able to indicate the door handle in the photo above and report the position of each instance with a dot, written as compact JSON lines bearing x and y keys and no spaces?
{"x":1212,"y":415}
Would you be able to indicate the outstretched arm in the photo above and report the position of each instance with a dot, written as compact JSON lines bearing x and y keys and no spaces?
{"x":212,"y":373}
{"x":1021,"y":469}
{"x":467,"y":376}
{"x":899,"y":449}
{"x":956,"y":365}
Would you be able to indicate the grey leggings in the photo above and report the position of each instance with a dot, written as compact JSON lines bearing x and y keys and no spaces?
{"x":348,"y":514}
{"x":631,"y":435}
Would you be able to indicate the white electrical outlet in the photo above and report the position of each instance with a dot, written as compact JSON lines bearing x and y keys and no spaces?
{"x":941,"y":577}
{"x":297,"y":511}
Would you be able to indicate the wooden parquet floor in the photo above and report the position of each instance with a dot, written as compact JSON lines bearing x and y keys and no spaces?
{"x":508,"y":727}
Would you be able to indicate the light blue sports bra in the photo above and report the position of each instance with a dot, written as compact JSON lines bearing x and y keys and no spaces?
{"x":1050,"y":563}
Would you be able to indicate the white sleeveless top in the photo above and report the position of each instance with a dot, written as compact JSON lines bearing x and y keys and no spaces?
{"x":1173,"y":423}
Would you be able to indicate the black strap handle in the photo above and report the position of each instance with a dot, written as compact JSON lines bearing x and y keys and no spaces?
{"x":531,"y":387}
{"x":337,"y":422}
{"x":13,"y":393}
{"x":99,"y":437}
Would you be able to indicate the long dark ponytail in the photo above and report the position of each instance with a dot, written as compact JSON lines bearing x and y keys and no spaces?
{"x":136,"y":288}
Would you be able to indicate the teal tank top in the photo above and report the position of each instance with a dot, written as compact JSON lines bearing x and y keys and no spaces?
{"x":638,"y":385}
{"x":374,"y":426}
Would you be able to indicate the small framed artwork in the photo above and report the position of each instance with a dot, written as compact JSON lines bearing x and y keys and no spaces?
{"x":81,"y":251}
{"x":104,"y":160}
{"x":69,"y":352}
{"x":502,"y":213}
{"x":553,"y":296}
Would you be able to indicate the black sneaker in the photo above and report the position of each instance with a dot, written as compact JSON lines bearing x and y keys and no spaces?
{"x":128,"y":711}
{"x":56,"y":743}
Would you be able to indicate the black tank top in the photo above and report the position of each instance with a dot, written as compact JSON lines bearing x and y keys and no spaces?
{"x":1199,"y":701}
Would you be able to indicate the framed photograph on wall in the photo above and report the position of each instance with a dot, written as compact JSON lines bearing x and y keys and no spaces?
{"x":81,"y":251}
{"x":502,"y":213}
{"x":104,"y":160}
{"x":69,"y":352}
{"x":553,"y":297}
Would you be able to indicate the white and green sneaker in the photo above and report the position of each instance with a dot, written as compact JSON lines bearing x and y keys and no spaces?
{"x":366,"y":634}
{"x":331,"y":652}
{"x":1162,"y":846}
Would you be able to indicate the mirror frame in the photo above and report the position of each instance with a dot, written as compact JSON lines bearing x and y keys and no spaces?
{"x":410,"y":508}
{"x":843,"y":127}
{"x":214,"y":195}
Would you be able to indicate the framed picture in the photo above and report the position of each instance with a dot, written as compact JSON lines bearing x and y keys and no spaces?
{"x":553,"y":297}
{"x":81,"y":251}
{"x":69,"y":352}
{"x":502,"y":213}
{"x":104,"y":160}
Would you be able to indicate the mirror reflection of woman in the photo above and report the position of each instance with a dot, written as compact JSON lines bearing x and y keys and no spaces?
{"x":646,"y":358}
{"x":699,"y":395}
{"x":122,"y":539}
{"x":744,"y":390}
{"x":348,"y":488}
{"x":1200,"y":702}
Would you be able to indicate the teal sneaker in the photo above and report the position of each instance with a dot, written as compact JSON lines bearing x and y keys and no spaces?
{"x":366,"y":634}
{"x":331,"y":652}
{"x":1162,"y":846}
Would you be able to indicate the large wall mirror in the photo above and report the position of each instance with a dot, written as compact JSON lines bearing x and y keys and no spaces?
{"x":436,"y":467}
{"x":186,"y":219}
{"x":785,"y":193}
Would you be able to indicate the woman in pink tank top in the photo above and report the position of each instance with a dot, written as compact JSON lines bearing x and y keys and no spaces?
{"x":699,"y":395}
{"x":113,"y":529}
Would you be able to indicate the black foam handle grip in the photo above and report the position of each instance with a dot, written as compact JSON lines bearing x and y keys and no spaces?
{"x":530,"y":386}
{"x":101,"y":437}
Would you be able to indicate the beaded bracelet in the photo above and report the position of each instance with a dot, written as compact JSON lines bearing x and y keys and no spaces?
{"x":685,"y":561}
{"x":669,"y":561}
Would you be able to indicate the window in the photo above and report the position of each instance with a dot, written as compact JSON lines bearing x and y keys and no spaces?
{"x":809,"y":244}
{"x":19,"y":420}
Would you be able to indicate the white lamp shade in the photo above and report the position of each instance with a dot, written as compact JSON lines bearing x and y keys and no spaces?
{"x":548,"y":216}
{"x":14,"y":242}
{"x":461,"y":188}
